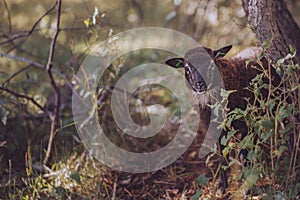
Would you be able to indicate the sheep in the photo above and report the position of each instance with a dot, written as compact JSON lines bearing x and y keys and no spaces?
{"x":236,"y":75}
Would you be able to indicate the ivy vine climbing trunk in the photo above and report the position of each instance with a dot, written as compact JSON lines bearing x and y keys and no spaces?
{"x":272,"y":22}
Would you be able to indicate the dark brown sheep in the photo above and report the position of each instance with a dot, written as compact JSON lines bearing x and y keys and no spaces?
{"x":200,"y":66}
{"x":235,"y":73}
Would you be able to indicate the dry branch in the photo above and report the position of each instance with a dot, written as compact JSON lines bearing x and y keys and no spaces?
{"x":16,"y":94}
{"x":38,"y":65}
{"x":54,"y":117}
{"x":17,"y":36}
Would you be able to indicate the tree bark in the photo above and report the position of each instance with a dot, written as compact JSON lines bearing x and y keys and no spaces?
{"x":272,"y":23}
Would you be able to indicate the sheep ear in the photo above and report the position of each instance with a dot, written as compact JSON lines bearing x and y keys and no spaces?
{"x":222,"y":52}
{"x":175,"y":62}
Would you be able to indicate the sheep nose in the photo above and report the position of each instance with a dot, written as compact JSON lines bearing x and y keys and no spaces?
{"x":200,"y":87}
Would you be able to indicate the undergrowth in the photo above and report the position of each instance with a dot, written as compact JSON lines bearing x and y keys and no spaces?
{"x":268,"y":170}
{"x":264,"y":163}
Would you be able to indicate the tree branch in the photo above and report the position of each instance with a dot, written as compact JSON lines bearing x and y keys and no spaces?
{"x":54,"y":117}
{"x":16,"y":94}
{"x":22,"y":59}
{"x":36,"y":64}
{"x":15,"y":74}
{"x":14,"y":37}
{"x":8,"y":16}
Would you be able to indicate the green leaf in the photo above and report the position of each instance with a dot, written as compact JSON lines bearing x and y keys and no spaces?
{"x":271,"y":105}
{"x":237,"y":113}
{"x":225,"y":151}
{"x":231,"y":133}
{"x":221,"y":126}
{"x":224,"y":140}
{"x":262,"y":55}
{"x":252,"y":178}
{"x":225,"y":93}
{"x":265,"y":136}
{"x":280,"y":61}
{"x":197,"y":195}
{"x":266,"y":43}
{"x":295,"y":190}
{"x":284,"y":112}
{"x":246,"y":142}
{"x":201,"y":180}
{"x":216,"y":110}
{"x":268,"y":124}
{"x":292,"y":49}
{"x":26,"y":197}
{"x":251,"y":174}
{"x":251,"y":155}
{"x":281,"y":150}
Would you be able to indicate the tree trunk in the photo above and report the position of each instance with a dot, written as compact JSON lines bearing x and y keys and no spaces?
{"x":272,"y":23}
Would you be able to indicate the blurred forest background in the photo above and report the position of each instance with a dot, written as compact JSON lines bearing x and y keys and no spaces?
{"x":25,"y":128}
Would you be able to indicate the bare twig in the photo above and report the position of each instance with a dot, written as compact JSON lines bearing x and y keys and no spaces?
{"x":114,"y":189}
{"x":22,"y":59}
{"x":15,"y":74}
{"x":270,"y":80}
{"x":36,"y":64}
{"x":8,"y":16}
{"x":16,"y":94}
{"x":14,"y":37}
{"x":41,"y":66}
{"x":54,"y":117}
